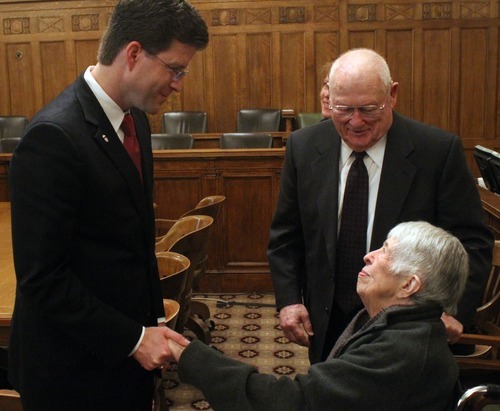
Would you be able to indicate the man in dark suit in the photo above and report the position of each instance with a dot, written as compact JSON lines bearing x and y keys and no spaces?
{"x":415,"y":172}
{"x":87,"y":328}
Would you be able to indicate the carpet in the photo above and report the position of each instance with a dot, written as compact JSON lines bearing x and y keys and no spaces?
{"x":246,"y":327}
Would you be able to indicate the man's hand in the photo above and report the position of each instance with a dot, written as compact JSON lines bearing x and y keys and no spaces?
{"x":295,"y":323}
{"x":154,"y":350}
{"x":454,"y":328}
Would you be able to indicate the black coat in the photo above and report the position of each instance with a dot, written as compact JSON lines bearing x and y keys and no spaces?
{"x":399,"y":362}
{"x":83,"y":239}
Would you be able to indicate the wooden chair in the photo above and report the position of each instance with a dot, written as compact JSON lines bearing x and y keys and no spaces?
{"x":246,"y":140}
{"x":171,"y":141}
{"x":184,"y":122}
{"x":209,"y":205}
{"x":479,"y":397}
{"x":173,"y":269}
{"x":258,"y":120}
{"x":486,"y":356}
{"x":10,"y":401}
{"x":189,"y":237}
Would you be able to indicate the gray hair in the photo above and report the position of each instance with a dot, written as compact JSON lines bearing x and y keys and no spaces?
{"x":436,"y":257}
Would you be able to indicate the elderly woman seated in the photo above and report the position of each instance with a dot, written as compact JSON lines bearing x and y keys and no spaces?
{"x":393,"y":355}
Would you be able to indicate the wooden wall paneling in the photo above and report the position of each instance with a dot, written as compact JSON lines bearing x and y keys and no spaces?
{"x":400,"y":58}
{"x":85,"y":54}
{"x":436,"y":77}
{"x":259,"y":76}
{"x":226,"y":80}
{"x":20,"y":73}
{"x":473,"y":66}
{"x":293,"y":71}
{"x":326,"y":49}
{"x":54,"y":65}
{"x":364,"y":38}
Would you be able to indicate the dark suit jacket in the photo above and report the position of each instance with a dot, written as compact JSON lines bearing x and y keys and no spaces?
{"x":83,"y":238}
{"x":424,"y":177}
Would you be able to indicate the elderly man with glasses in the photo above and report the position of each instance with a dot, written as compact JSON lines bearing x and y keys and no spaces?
{"x":326,"y":219}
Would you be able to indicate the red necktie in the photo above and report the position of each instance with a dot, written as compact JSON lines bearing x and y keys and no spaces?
{"x":352,"y":235}
{"x":130,"y":141}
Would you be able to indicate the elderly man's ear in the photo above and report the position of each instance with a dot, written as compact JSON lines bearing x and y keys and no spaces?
{"x":410,"y":286}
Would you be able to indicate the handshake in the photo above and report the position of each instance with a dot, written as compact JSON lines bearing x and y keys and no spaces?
{"x":159,"y":346}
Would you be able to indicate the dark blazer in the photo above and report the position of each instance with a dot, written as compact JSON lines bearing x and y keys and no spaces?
{"x":424,"y":177}
{"x":400,"y":361}
{"x":83,"y":238}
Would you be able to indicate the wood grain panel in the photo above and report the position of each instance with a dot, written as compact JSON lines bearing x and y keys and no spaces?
{"x":473,"y":63}
{"x":293,"y":71}
{"x":359,"y":39}
{"x":225,"y":74}
{"x":249,"y":206}
{"x":21,"y":79}
{"x":399,"y":44}
{"x":259,"y":75}
{"x":436,"y":78}
{"x":54,"y":65}
{"x":86,"y":54}
{"x":327,"y":48}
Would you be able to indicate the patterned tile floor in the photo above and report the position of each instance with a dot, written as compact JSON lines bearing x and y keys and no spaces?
{"x":247,"y":332}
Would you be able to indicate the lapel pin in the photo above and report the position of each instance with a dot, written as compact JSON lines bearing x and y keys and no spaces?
{"x":105,"y":138}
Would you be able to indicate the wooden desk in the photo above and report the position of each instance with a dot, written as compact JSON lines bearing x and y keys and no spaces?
{"x":491,"y":205}
{"x":212,"y":140}
{"x":7,"y":274}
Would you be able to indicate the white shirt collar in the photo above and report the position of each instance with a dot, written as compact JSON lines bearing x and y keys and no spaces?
{"x":112,"y":110}
{"x":375,"y":152}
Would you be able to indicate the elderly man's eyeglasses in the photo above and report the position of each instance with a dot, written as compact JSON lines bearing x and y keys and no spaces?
{"x":371,"y":111}
{"x":178,"y":74}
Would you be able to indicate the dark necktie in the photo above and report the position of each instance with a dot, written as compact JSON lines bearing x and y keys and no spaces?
{"x":352,"y":235}
{"x":130,"y":141}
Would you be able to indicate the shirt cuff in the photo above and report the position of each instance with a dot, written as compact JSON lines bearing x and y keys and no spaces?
{"x":138,"y":343}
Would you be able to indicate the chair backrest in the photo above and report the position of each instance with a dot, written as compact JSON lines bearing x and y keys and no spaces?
{"x":259,"y":119}
{"x":181,"y":228}
{"x":9,"y":144}
{"x":12,"y":126}
{"x":488,"y":314}
{"x":170,"y":141}
{"x":209,"y":205}
{"x":246,"y":140}
{"x":479,"y":398}
{"x":307,"y":119}
{"x":173,"y":268}
{"x":189,"y":236}
{"x":184,"y":122}
{"x":10,"y":401}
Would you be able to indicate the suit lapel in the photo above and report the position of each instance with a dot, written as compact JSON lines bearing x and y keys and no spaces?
{"x":325,"y":170}
{"x":395,"y":181}
{"x":106,"y":137}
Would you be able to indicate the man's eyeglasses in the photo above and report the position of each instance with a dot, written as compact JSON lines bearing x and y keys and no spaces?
{"x":371,"y":111}
{"x":178,"y":74}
